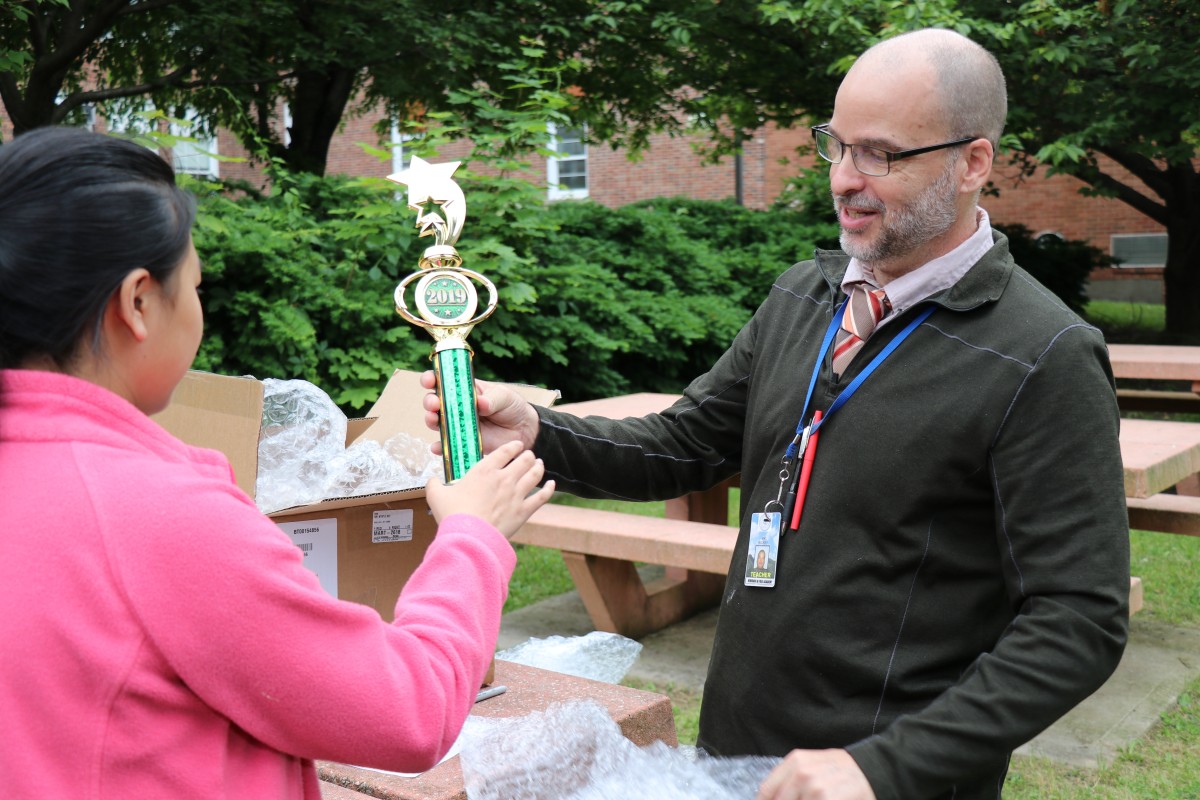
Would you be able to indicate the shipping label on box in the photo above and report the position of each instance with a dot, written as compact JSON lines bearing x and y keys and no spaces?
{"x":394,"y":525}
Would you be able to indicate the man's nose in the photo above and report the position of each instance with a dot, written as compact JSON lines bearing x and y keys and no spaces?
{"x":844,"y":177}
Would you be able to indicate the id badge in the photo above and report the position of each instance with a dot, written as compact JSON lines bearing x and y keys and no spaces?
{"x":764,"y":549}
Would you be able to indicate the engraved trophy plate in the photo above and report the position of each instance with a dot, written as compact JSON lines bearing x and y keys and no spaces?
{"x":446,"y":302}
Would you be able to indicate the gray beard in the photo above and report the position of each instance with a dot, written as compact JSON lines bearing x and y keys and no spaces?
{"x":905,"y":228}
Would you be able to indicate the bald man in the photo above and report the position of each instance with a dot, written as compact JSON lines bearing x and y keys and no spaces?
{"x":959,"y":577}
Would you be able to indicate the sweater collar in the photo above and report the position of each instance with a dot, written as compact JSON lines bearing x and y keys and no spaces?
{"x":983,"y":283}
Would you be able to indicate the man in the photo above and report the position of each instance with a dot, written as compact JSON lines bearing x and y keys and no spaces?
{"x":959,"y":576}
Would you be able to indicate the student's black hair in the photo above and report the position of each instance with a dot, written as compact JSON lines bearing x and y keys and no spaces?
{"x":78,"y":212}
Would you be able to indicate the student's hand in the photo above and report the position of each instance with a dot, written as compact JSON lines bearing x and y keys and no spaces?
{"x":497,"y":490}
{"x":504,"y":416}
{"x":816,"y":775}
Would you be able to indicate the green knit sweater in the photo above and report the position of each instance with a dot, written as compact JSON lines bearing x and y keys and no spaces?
{"x":960,"y":577}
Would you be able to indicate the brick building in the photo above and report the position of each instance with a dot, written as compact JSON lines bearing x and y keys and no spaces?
{"x":671,"y":166}
{"x":1046,"y":205}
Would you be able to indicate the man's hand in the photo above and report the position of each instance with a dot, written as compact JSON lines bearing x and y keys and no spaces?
{"x":816,"y":775}
{"x":504,"y":416}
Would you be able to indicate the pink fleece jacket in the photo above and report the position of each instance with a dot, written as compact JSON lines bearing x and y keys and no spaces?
{"x":160,"y":638}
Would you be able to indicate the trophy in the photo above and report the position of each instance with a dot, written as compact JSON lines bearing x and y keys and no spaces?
{"x":446,"y":302}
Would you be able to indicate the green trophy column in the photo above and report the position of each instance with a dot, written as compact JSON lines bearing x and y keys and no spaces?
{"x":461,"y":443}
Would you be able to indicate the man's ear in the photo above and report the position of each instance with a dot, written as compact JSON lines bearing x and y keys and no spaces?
{"x":979,"y":156}
{"x":127,"y":307}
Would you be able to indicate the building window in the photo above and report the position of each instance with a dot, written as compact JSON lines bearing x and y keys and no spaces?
{"x":402,"y":151}
{"x":1140,"y":249}
{"x":287,"y":124}
{"x":189,"y":153}
{"x":196,"y":154}
{"x":131,"y":120}
{"x":566,"y":172}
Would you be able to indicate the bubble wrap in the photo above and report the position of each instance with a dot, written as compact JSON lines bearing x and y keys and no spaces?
{"x":302,"y":433}
{"x":598,"y":656}
{"x":574,"y":751}
{"x":303,"y":458}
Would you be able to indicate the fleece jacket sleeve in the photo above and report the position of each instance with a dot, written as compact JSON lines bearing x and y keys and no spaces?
{"x":224,"y":596}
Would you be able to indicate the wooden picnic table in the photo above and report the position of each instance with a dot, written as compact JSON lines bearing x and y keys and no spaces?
{"x":1164,"y":362}
{"x":601,"y":548}
{"x":1158,"y":454}
{"x":1156,"y":362}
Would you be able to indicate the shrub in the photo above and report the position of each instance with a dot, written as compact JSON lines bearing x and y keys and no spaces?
{"x":298,"y":284}
{"x":593,"y":301}
{"x":1061,"y":265}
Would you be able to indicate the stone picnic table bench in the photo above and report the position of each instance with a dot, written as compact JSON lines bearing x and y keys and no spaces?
{"x":695,"y":544}
{"x":1159,"y":455}
{"x":1145,"y":363}
{"x":643,"y":717}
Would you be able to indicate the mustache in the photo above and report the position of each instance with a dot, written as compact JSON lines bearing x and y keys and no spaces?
{"x":858,"y":202}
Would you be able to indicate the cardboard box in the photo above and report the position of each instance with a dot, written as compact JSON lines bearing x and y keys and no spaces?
{"x":362,"y":548}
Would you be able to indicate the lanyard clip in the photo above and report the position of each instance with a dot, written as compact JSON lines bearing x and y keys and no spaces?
{"x":803,"y":437}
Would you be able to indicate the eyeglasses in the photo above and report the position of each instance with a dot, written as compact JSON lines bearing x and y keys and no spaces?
{"x":869,"y":160}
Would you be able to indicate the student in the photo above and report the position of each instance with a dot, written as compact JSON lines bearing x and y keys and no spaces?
{"x":160,"y":636}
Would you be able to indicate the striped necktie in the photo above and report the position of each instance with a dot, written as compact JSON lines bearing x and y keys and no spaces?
{"x":867,"y":305}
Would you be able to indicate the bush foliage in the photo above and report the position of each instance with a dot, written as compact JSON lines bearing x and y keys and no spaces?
{"x":1061,"y":265}
{"x":594,"y":301}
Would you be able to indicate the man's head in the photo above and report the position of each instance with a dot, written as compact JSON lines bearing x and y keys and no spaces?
{"x":918,"y":90}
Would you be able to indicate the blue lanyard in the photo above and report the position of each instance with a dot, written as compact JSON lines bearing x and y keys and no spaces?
{"x":801,"y":432}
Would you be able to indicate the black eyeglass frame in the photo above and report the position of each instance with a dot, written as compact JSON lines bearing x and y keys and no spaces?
{"x":890,"y":155}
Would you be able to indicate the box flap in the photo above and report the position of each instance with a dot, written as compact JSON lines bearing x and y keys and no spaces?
{"x":398,"y":409}
{"x":333,"y":504}
{"x":355,"y":428}
{"x":220,"y":412}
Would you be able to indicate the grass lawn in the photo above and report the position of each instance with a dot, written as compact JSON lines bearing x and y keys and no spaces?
{"x":1164,"y":765}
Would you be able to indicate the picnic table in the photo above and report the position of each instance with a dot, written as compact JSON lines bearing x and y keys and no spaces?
{"x":695,"y":544}
{"x":644,"y":717}
{"x":1158,"y":363}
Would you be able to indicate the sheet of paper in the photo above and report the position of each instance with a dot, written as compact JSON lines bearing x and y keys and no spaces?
{"x":317,"y":538}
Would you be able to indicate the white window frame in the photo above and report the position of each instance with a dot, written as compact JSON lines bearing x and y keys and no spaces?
{"x":401,"y":155}
{"x":203,"y":150}
{"x":129,"y":122}
{"x":555,"y":191}
{"x":202,"y":153}
{"x":287,"y":124}
{"x":1113,"y":238}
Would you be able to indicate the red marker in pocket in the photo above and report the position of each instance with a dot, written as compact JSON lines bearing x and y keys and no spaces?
{"x":810,"y":452}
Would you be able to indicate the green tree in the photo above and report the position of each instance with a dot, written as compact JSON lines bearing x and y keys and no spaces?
{"x":48,"y":49}
{"x":236,"y":63}
{"x":1087,"y":79}
{"x":1121,"y":80}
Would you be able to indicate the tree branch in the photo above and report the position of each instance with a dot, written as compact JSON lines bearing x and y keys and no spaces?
{"x":173,"y":80}
{"x":145,"y":5}
{"x":1127,"y":194}
{"x":77,"y":36}
{"x":1145,"y":169}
